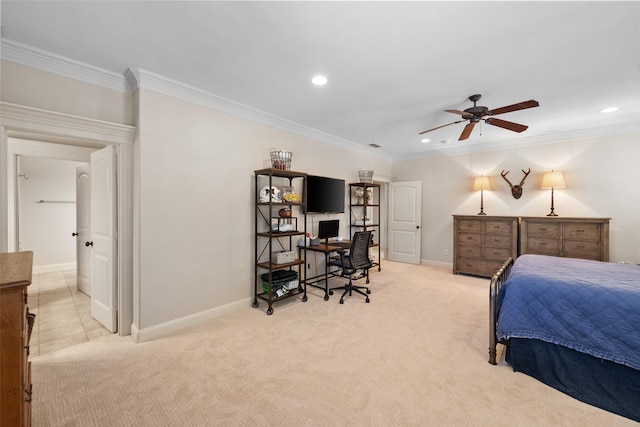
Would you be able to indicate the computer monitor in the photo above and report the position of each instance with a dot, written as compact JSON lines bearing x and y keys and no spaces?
{"x":328,"y":229}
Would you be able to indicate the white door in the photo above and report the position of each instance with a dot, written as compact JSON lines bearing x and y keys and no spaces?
{"x":405,"y":210}
{"x":83,"y":253}
{"x":103,"y":238}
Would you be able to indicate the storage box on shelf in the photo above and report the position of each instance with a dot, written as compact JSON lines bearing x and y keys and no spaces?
{"x":278,"y":274}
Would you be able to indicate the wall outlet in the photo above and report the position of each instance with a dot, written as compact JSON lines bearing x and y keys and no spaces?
{"x":309,"y":266}
{"x":446,"y":251}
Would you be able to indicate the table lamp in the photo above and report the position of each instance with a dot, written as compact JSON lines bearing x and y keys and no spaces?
{"x":481,"y":183}
{"x":552,"y":180}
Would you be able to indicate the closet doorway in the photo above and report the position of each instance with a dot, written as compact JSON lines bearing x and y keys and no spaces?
{"x":53,"y":131}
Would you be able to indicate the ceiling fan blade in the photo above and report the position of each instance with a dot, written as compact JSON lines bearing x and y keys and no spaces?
{"x":506,"y":125}
{"x":515,"y":107}
{"x":464,"y":114}
{"x":448,"y":124}
{"x":467,"y":131}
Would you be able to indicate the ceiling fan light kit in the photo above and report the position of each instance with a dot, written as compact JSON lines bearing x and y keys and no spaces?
{"x":477,"y":113}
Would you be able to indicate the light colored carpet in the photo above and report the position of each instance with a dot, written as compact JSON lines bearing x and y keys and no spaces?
{"x":415,"y":356}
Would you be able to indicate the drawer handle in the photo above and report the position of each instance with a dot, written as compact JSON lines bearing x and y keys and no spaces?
{"x":542,"y":244}
{"x":469,"y":238}
{"x":579,"y":230}
{"x":496,"y":226}
{"x":543,"y":229}
{"x":580,"y":246}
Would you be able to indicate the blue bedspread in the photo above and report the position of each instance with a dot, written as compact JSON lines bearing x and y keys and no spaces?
{"x":589,"y":306}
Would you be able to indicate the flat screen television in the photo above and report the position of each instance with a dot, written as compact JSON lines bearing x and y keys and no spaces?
{"x":325,"y":195}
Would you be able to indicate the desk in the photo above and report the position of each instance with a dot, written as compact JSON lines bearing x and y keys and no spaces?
{"x":326,"y":250}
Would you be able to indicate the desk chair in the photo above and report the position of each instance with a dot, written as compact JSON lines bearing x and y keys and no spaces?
{"x":357,"y":259}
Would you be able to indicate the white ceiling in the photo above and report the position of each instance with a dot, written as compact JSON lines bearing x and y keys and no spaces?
{"x":393,"y":67}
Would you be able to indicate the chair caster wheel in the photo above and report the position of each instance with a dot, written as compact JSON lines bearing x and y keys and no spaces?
{"x":326,"y":297}
{"x":330,"y":292}
{"x":368,"y":291}
{"x":341,"y":301}
{"x":367,"y":300}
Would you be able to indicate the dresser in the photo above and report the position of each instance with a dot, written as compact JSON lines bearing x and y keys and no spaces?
{"x":586,"y":238}
{"x":481,"y":243}
{"x":15,"y":329}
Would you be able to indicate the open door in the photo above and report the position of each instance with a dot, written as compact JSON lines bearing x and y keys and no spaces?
{"x":103,"y":238}
{"x":83,"y":220}
{"x":405,"y":210}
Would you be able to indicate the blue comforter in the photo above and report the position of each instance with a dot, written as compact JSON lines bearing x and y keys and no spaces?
{"x":589,"y":306}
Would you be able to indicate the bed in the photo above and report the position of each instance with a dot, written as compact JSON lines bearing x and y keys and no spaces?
{"x":573,"y":324}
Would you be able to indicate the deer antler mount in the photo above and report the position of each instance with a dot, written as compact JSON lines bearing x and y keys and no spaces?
{"x":516,"y":190}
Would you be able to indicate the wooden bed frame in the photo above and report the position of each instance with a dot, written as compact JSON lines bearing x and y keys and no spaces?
{"x":495,"y":285}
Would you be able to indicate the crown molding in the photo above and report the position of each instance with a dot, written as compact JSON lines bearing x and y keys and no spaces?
{"x":135,"y":79}
{"x":142,"y":79}
{"x":551,"y":138}
{"x":18,"y":119}
{"x":43,"y":60}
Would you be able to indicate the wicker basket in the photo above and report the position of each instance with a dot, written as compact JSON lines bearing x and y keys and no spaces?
{"x":365,"y":176}
{"x":281,"y":159}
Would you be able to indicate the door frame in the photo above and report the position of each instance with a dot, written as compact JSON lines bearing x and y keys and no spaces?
{"x":35,"y":124}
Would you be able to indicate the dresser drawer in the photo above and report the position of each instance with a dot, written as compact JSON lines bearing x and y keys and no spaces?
{"x":582,"y":231}
{"x":469,"y":251}
{"x":538,"y":229}
{"x":469,"y":226}
{"x":498,"y":240}
{"x":497,"y":253}
{"x":469,"y":239}
{"x":541,"y":246}
{"x":498,"y":227}
{"x":581,"y":249}
{"x":480,"y":267}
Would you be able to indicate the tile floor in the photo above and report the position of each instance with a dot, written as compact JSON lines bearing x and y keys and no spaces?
{"x":63,"y":313}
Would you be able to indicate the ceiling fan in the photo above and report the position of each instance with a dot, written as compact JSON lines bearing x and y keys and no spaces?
{"x":476,"y":113}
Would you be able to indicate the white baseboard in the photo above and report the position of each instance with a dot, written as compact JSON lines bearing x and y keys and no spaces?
{"x":166,"y":328}
{"x":54,"y":267}
{"x":437,"y":263}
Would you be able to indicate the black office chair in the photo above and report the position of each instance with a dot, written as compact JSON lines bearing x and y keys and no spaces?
{"x":356,"y":260}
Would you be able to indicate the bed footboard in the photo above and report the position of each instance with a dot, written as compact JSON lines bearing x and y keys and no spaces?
{"x":496,"y":283}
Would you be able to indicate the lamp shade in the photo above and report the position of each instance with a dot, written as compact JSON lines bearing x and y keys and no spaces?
{"x":481,"y":183}
{"x":552,"y":180}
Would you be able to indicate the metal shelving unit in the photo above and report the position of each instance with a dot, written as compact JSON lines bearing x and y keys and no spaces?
{"x":364,"y":210}
{"x":274,"y":234}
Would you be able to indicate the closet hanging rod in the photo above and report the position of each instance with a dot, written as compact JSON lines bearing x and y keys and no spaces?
{"x":55,"y":201}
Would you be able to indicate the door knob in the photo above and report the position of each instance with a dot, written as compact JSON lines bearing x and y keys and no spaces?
{"x":88,"y":244}
{"x":74,"y":234}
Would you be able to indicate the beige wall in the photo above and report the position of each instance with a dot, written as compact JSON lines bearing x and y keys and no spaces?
{"x":196,"y":201}
{"x":600,"y":174}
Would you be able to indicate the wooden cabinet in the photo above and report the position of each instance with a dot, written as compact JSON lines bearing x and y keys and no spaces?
{"x":364,"y":207}
{"x":586,"y":238}
{"x":278,"y":273}
{"x":15,"y":329}
{"x":481,"y":244}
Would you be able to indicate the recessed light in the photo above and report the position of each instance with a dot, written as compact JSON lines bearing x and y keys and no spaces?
{"x":319,"y":80}
{"x":425,"y":140}
{"x":609,"y":110}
